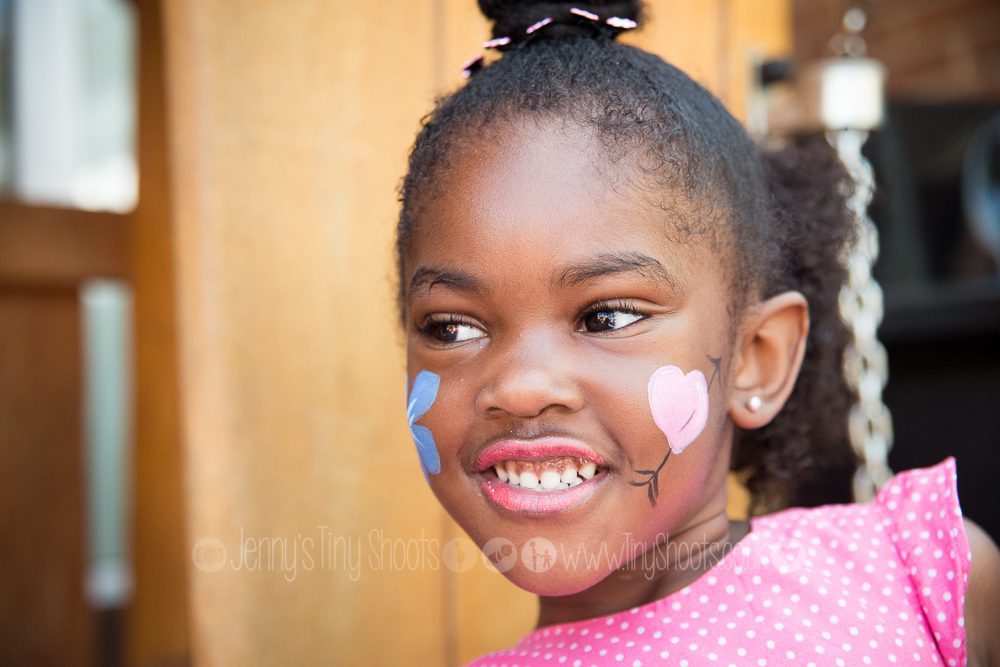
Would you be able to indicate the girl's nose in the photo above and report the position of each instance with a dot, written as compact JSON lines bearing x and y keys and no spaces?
{"x":530,"y":381}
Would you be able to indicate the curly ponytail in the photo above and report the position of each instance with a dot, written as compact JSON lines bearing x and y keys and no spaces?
{"x":803,"y":456}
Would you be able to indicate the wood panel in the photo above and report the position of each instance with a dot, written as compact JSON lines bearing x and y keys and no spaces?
{"x":685,"y":34}
{"x":290,"y":124}
{"x":157,"y":617}
{"x":755,"y":30}
{"x":47,"y":246}
{"x":42,"y":609}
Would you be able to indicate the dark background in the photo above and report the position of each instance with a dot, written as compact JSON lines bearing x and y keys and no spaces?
{"x":942,"y":287}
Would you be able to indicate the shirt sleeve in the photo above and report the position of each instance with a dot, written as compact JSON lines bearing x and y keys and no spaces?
{"x":926,"y":527}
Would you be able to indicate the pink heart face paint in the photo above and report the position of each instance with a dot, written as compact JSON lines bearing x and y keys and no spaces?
{"x":679,"y":404}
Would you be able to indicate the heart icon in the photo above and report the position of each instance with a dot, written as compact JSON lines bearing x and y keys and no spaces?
{"x":679,"y":404}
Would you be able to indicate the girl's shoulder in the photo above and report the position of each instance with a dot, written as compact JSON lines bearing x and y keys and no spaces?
{"x":914,"y":509}
{"x":951,"y":566}
{"x":916,"y":512}
{"x":910,"y":540}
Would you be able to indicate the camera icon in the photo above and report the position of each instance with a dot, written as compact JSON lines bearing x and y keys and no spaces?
{"x":500,"y":554}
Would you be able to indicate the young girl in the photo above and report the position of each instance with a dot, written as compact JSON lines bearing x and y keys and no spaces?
{"x":611,"y":298}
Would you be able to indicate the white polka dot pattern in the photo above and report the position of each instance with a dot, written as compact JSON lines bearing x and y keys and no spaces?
{"x":876,"y":584}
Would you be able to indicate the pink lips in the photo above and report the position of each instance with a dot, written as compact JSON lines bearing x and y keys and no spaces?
{"x":528,"y":501}
{"x":543,"y":448}
{"x":516,"y":499}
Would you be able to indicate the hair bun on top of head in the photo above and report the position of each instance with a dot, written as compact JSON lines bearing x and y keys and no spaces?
{"x":517,"y":21}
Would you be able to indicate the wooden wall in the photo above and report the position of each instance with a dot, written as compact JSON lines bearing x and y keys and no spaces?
{"x":285,"y":129}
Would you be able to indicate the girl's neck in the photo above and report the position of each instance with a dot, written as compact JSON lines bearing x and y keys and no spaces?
{"x":680,"y":562}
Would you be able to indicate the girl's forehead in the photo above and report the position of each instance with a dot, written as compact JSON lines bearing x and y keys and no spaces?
{"x":506,"y":163}
{"x":541,"y":199}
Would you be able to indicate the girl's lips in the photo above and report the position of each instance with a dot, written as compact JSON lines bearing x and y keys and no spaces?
{"x":531,"y":502}
{"x":534,"y":450}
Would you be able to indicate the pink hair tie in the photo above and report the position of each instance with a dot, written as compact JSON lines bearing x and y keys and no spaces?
{"x":474,"y":64}
{"x":538,"y":25}
{"x":495,"y":42}
{"x":584,"y":13}
{"x":471,"y":66}
{"x":624,"y":24}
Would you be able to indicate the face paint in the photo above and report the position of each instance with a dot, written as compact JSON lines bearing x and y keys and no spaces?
{"x":679,"y":404}
{"x":422,"y":397}
{"x":717,"y":365}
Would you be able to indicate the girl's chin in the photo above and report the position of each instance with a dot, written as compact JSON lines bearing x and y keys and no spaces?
{"x":556,"y":582}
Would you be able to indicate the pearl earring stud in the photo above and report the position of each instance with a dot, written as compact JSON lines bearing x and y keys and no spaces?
{"x":754,"y":404}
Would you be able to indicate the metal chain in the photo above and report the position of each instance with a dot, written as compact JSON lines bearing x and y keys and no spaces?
{"x":866,"y":366}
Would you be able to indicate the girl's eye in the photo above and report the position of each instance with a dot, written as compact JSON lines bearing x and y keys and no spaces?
{"x":450,"y":331}
{"x":605,"y":317}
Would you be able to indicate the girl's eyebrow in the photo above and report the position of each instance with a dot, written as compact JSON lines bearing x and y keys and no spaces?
{"x":573,"y":275}
{"x":614,"y":263}
{"x":457,"y":280}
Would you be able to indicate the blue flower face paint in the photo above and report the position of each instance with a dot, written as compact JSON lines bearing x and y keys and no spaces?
{"x":422,"y":397}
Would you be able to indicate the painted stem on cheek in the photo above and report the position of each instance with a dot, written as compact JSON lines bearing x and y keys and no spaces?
{"x":652,"y":481}
{"x":716,"y":363}
{"x":679,"y":404}
{"x":422,"y":397}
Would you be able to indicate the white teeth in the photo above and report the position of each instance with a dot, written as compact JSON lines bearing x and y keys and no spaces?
{"x":550,"y":479}
{"x":546,"y":475}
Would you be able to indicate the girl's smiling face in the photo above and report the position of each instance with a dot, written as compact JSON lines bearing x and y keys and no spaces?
{"x":545,"y":298}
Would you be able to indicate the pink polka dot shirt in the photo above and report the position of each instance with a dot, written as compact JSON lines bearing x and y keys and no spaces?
{"x":862,"y":584}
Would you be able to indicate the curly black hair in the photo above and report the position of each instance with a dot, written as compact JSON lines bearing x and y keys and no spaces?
{"x":778,"y":217}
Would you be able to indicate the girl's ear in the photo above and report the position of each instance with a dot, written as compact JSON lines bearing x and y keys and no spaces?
{"x":769,"y":356}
